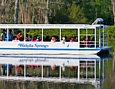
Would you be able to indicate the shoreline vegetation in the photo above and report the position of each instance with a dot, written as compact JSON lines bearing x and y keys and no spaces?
{"x":111,"y":32}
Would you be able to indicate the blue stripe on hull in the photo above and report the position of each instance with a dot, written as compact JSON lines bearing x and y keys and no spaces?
{"x":95,"y":49}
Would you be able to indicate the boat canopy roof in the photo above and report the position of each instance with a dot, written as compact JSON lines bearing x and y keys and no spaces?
{"x":49,"y":26}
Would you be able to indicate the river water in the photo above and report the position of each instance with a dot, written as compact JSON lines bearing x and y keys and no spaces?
{"x":77,"y":72}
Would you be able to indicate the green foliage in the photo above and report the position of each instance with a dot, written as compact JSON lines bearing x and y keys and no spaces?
{"x":98,"y":9}
{"x":77,"y":11}
{"x":60,"y":17}
{"x":111,"y":32}
{"x":76,"y":14}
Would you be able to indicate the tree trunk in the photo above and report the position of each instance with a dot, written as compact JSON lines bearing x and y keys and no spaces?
{"x":46,"y":13}
{"x":16,"y":12}
{"x":113,"y":3}
{"x":2,"y":2}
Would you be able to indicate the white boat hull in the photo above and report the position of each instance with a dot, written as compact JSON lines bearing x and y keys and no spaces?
{"x":29,"y":52}
{"x":45,"y":48}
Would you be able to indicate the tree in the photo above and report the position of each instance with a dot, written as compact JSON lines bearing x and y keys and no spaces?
{"x":16,"y":11}
{"x":113,"y":4}
{"x":98,"y":9}
{"x":76,"y":14}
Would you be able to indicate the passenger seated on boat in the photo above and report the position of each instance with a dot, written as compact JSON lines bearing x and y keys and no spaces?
{"x":34,"y":39}
{"x":93,"y":39}
{"x":19,"y":36}
{"x":19,"y":69}
{"x":71,"y":39}
{"x":10,"y":35}
{"x":30,"y":38}
{"x":76,"y":39}
{"x":47,"y":38}
{"x":89,"y":42}
{"x":83,"y":42}
{"x":63,"y":39}
{"x":4,"y":67}
{"x":38,"y":38}
{"x":3,"y":35}
{"x":27,"y":38}
{"x":53,"y":39}
{"x":15,"y":39}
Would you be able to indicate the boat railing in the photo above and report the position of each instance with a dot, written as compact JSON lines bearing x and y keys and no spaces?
{"x":89,"y":44}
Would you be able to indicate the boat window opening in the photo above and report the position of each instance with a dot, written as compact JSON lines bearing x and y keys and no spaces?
{"x":51,"y":35}
{"x":87,"y":38}
{"x":18,"y":35}
{"x":3,"y":35}
{"x":105,"y":37}
{"x":101,"y":37}
{"x":70,"y":71}
{"x":12,"y":70}
{"x":20,"y":70}
{"x":51,"y":71}
{"x":82,"y":69}
{"x":33,"y":70}
{"x":87,"y":69}
{"x":98,"y":69}
{"x":34,"y":35}
{"x":70,"y":35}
{"x":90,"y":69}
{"x":97,"y":38}
{"x":12,"y":35}
{"x":90,"y":38}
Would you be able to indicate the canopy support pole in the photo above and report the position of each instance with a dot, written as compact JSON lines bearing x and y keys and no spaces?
{"x":95,"y":38}
{"x":42,"y":72}
{"x":60,"y":34}
{"x":24,"y":34}
{"x":7,"y":34}
{"x":7,"y":70}
{"x":42,"y":34}
{"x":60,"y":73}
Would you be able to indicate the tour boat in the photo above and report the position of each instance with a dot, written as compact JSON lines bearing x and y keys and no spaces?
{"x":91,"y":39}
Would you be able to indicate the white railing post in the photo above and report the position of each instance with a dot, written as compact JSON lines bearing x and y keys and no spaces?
{"x":24,"y":70}
{"x":103,"y":36}
{"x":42,"y":34}
{"x":7,"y":34}
{"x":24,"y":34}
{"x":60,"y":34}
{"x":42,"y":72}
{"x":107,"y":37}
{"x":95,"y":70}
{"x":7,"y":70}
{"x":86,"y":69}
{"x":16,"y":72}
{"x":60,"y":73}
{"x":79,"y":37}
{"x":99,"y":38}
{"x":86,"y":39}
{"x":95,"y":38}
{"x":79,"y":71}
{"x":99,"y":68}
{"x":103,"y":70}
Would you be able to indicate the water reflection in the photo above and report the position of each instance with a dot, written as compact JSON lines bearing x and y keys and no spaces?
{"x":78,"y":69}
